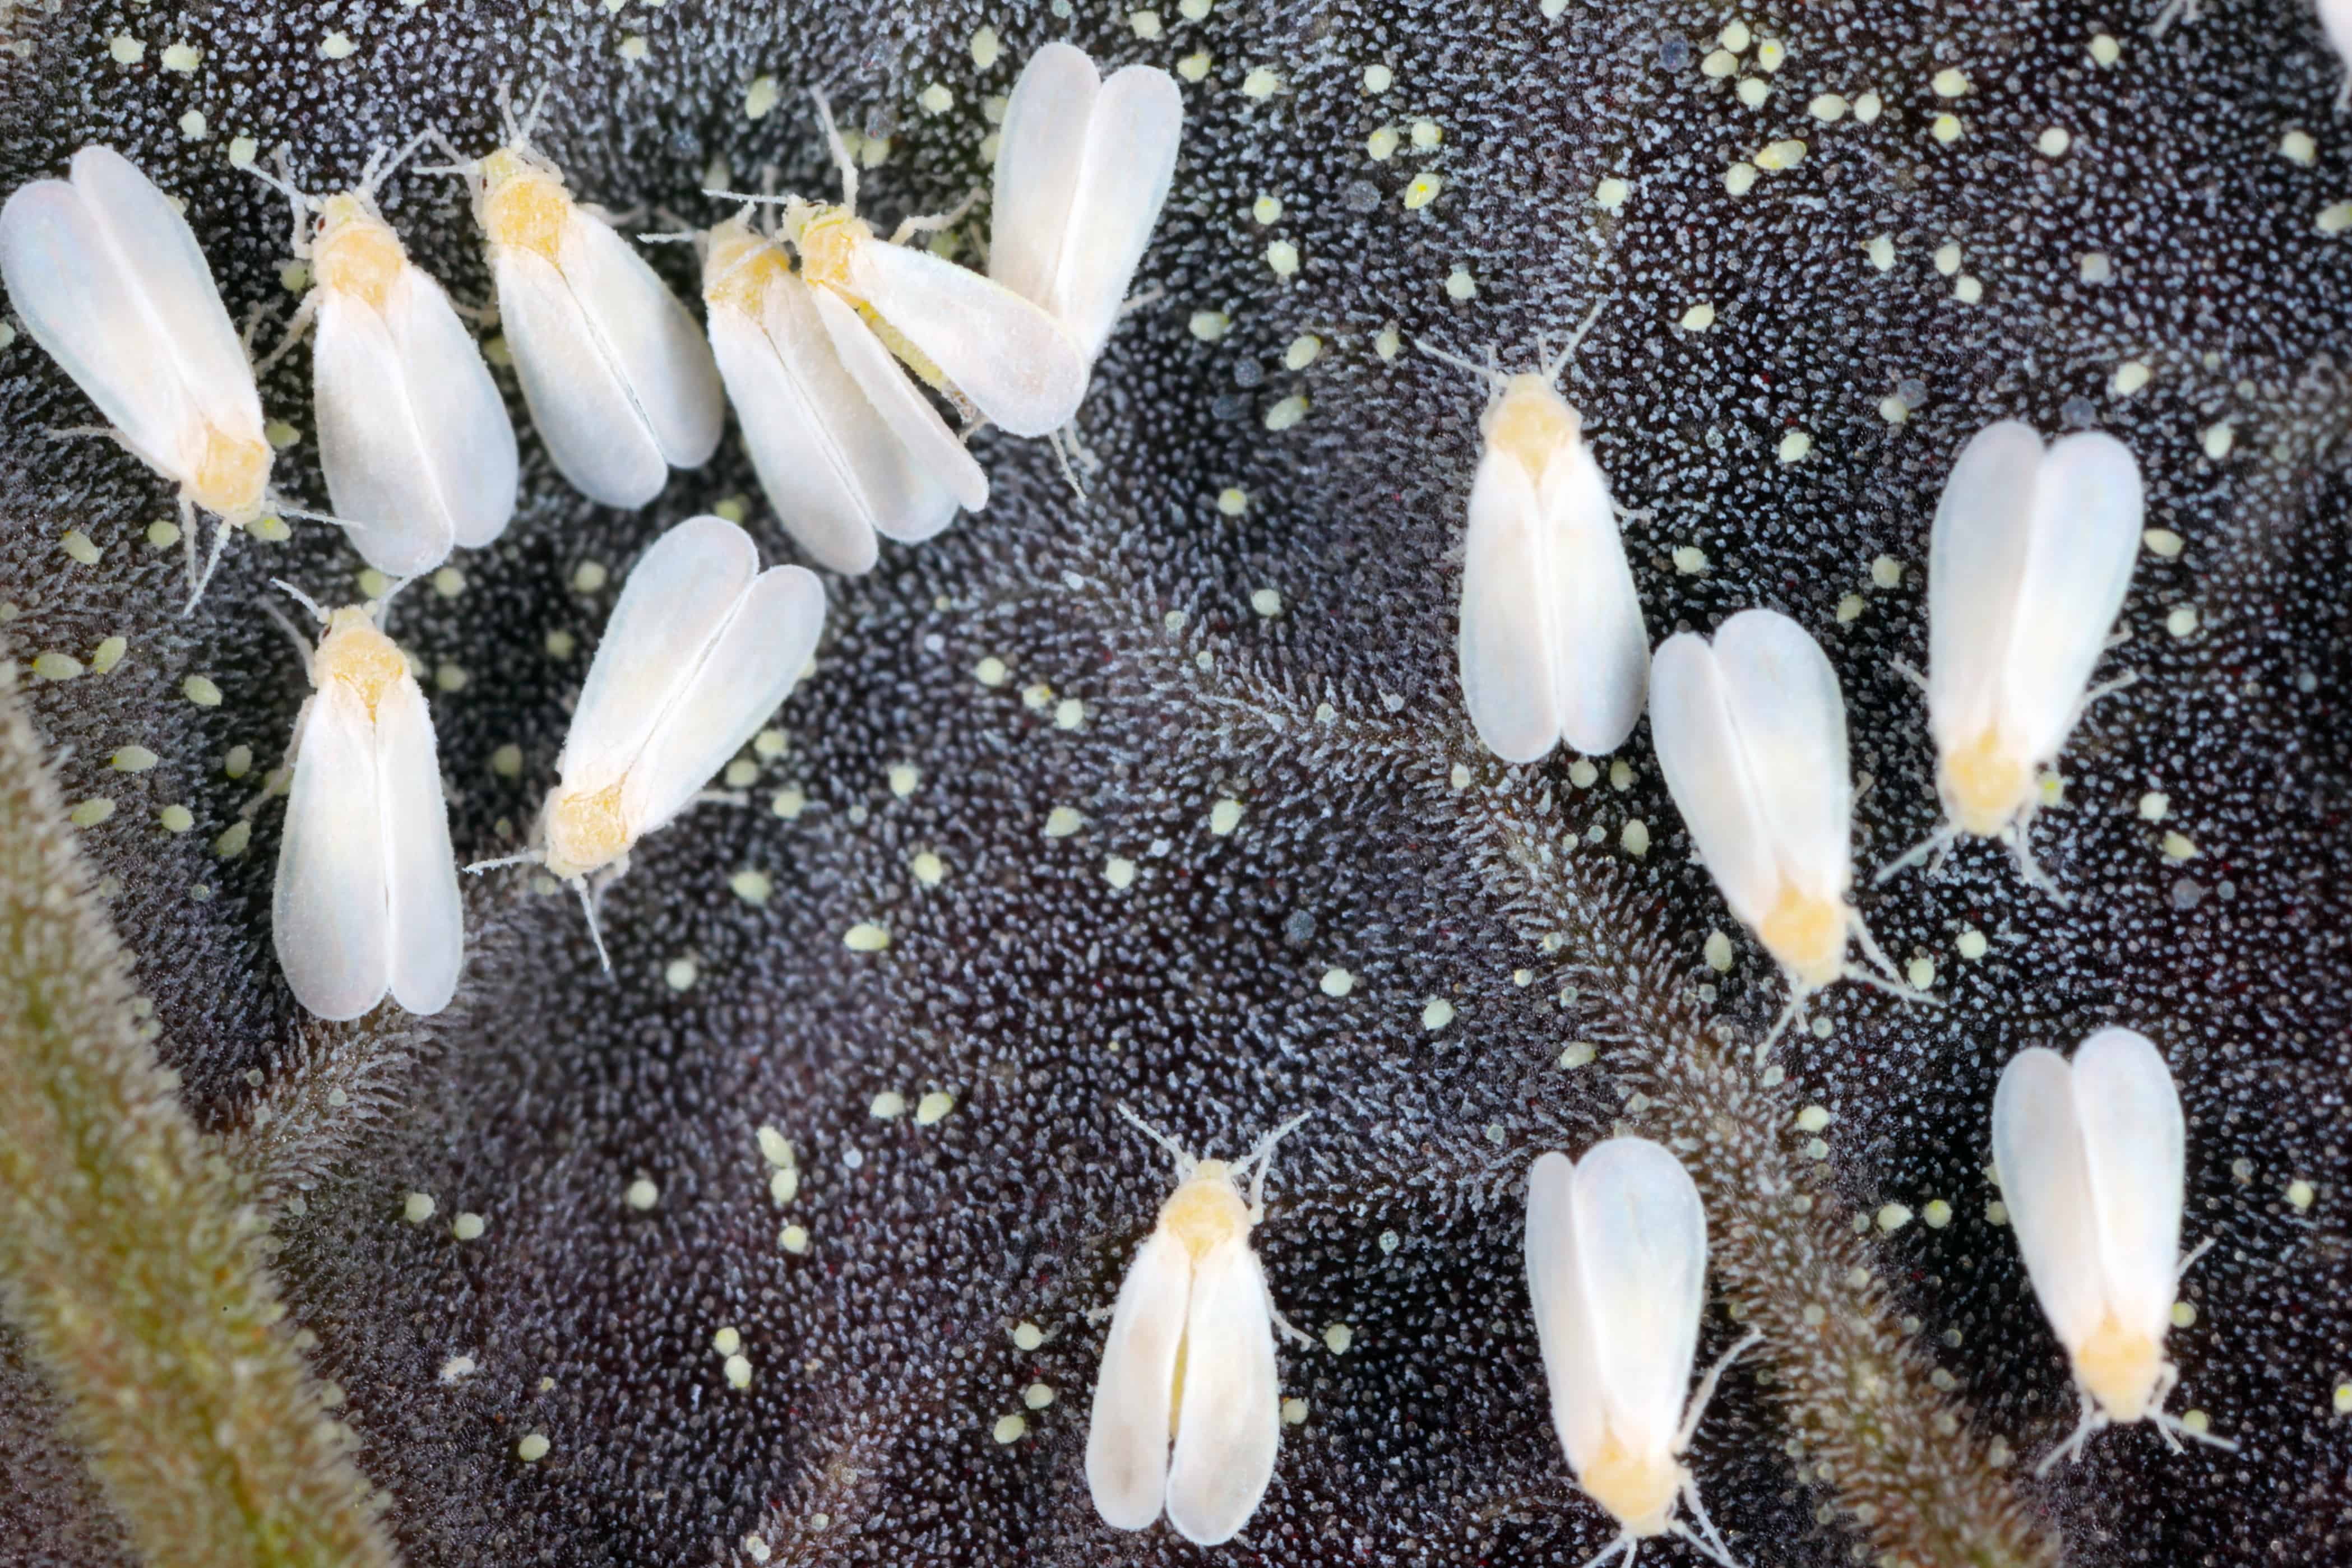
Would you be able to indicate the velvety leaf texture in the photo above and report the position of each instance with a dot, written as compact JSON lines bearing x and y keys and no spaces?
{"x":1164,"y":796}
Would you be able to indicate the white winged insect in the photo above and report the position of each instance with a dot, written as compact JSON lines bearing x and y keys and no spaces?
{"x":619,"y":380}
{"x":1083,"y":167}
{"x":419,"y":452}
{"x":846,"y":447}
{"x":974,"y":341}
{"x":366,"y":896}
{"x":1552,"y":645}
{"x":1616,"y":1253}
{"x":1751,"y":732}
{"x":107,"y":276}
{"x":2090,"y":1154}
{"x":1190,"y":1357}
{"x":2031,"y":553}
{"x":701,"y":648}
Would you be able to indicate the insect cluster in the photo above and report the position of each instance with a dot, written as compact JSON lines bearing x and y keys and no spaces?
{"x":2032,"y":557}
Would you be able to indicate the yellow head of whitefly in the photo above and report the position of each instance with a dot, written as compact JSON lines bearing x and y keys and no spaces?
{"x":1637,"y":1488}
{"x":522,"y":202}
{"x":1206,"y":1210}
{"x":1806,"y":932}
{"x":1984,"y":784}
{"x":230,"y":476}
{"x":356,"y":652}
{"x":354,"y":252}
{"x":1530,"y":423}
{"x":584,"y":830}
{"x":2122,"y":1368}
{"x":738,"y":264}
{"x":828,"y":235}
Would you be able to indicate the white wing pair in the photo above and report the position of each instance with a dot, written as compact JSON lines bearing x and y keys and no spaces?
{"x":1191,"y":1353}
{"x":1083,"y":167}
{"x":107,"y":276}
{"x":1552,"y":646}
{"x":2031,"y":553}
{"x":1751,"y":734}
{"x":2091,"y":1155}
{"x":619,"y":380}
{"x":701,"y":649}
{"x":366,"y":894}
{"x":1616,"y":1257}
{"x":846,"y":447}
{"x":413,"y":437}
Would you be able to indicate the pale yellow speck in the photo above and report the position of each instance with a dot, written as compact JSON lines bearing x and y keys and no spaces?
{"x":1282,"y":256}
{"x":1460,"y":284}
{"x":985,"y":47}
{"x":2178,"y":846}
{"x":1436,"y":1014}
{"x":2053,"y":142}
{"x":1739,"y":179}
{"x":1949,"y":82}
{"x":1770,"y":55}
{"x":1286,"y":413}
{"x":1233,"y":501}
{"x":2104,"y":50}
{"x":635,"y":48}
{"x":2129,"y":377}
{"x":1867,"y":108}
{"x":2296,"y":146}
{"x":1796,"y":447}
{"x":2301,"y":1193}
{"x":1611,"y":194}
{"x":1120,"y":871}
{"x":1635,"y":837}
{"x":1753,"y":91}
{"x":1892,"y":1218}
{"x":194,"y":126}
{"x":201,"y":691}
{"x":1849,"y":609}
{"x":1194,"y":67}
{"x":1422,"y":191}
{"x":1261,"y":83}
{"x":933,"y":1107}
{"x":1390,"y":343}
{"x":417,"y":1208}
{"x":1144,"y":24}
{"x":176,"y":819}
{"x":1209,"y":325}
{"x":1718,"y":64}
{"x":1382,"y":144}
{"x":866,"y":937}
{"x":338,"y":46}
{"x":1828,"y":108}
{"x":126,"y":49}
{"x":1578,"y":1053}
{"x":2182,"y":620}
{"x":532,"y":1448}
{"x":1266,"y":601}
{"x":1009,"y":1428}
{"x":762,"y":97}
{"x":1336,"y":983}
